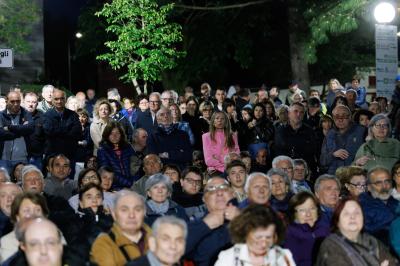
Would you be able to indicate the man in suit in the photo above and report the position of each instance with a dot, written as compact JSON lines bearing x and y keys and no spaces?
{"x":166,"y":243}
{"x":147,"y":120}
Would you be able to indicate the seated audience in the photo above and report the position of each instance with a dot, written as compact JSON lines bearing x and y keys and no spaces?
{"x":258,"y":188}
{"x":280,"y":190}
{"x":300,"y":175}
{"x":236,"y":171}
{"x":327,"y":190}
{"x":354,"y":181}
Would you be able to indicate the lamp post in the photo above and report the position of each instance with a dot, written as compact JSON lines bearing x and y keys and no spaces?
{"x":78,"y":35}
{"x":385,"y":49}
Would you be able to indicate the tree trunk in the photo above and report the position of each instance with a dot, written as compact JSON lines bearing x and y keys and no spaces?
{"x":137,"y":87}
{"x":145,"y":87}
{"x":297,"y":29}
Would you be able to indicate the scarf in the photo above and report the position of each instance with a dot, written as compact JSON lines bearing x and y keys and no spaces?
{"x":167,"y":129}
{"x":158,"y":208}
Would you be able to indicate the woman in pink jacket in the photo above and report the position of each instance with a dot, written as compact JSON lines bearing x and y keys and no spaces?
{"x":219,"y":142}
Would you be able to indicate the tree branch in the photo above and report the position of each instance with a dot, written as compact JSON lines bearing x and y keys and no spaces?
{"x":252,"y":3}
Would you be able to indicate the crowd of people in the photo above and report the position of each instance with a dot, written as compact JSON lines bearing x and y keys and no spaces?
{"x":208,"y":177}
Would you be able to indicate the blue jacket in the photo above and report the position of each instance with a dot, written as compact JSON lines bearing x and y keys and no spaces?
{"x":203,"y":244}
{"x":281,"y":205}
{"x":15,"y":131}
{"x":173,"y":209}
{"x":132,"y":117}
{"x":303,"y":241}
{"x":395,"y":232}
{"x":378,"y":215}
{"x":62,"y":132}
{"x":351,"y":140}
{"x":176,"y":143}
{"x":361,"y":96}
{"x":145,"y":121}
{"x":107,"y":156}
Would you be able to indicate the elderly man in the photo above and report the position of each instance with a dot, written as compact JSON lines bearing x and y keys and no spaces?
{"x":151,"y":165}
{"x":37,"y":139}
{"x":16,"y":125}
{"x":47,"y":94}
{"x":62,"y":128}
{"x":166,"y":243}
{"x":166,"y":99}
{"x":42,"y":243}
{"x":297,"y":139}
{"x":379,"y":207}
{"x":58,"y":183}
{"x":128,"y":238}
{"x":342,"y":142}
{"x":170,"y":143}
{"x":327,"y":189}
{"x":8,"y":192}
{"x":208,"y":236}
{"x":262,"y":162}
{"x":258,"y":188}
{"x":147,"y":120}
{"x":61,"y":212}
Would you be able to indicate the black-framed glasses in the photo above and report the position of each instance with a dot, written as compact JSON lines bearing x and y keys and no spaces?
{"x":222,"y":187}
{"x":359,"y":186}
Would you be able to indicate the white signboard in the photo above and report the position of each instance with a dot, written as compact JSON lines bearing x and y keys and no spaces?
{"x":6,"y":58}
{"x":386,"y":59}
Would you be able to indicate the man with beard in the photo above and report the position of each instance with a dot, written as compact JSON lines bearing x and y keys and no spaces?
{"x":378,"y":205}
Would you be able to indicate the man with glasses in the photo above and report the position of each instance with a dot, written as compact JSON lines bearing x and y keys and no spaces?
{"x":16,"y":125}
{"x":209,"y":235}
{"x":147,"y":120}
{"x":379,"y":207}
{"x":342,"y":141}
{"x":166,"y":99}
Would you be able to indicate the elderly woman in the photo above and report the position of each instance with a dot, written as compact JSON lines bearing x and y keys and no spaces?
{"x":256,"y":232}
{"x":115,"y":151}
{"x":101,"y":117}
{"x":348,"y":245}
{"x":353,"y":181}
{"x":280,"y":190}
{"x":300,"y":175}
{"x":24,"y":206}
{"x":381,"y":149}
{"x":305,"y":230}
{"x":159,"y":190}
{"x":258,"y":189}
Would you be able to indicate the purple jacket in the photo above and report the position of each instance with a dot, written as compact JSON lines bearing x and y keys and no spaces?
{"x":303,"y":241}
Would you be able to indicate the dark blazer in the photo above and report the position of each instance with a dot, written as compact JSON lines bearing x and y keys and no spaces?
{"x":62,"y":132}
{"x":145,"y":121}
{"x":141,"y":261}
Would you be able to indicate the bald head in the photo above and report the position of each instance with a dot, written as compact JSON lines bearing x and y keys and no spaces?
{"x":13,"y":102}
{"x":58,"y":100}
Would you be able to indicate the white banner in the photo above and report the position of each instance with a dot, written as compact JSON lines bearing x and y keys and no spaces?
{"x":386,"y":59}
{"x":6,"y":58}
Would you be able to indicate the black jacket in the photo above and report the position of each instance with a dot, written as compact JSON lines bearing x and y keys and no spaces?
{"x":62,"y":132}
{"x":37,"y":139}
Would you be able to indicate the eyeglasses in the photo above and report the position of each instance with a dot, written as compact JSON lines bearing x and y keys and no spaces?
{"x":381,"y":182}
{"x":193,"y":182}
{"x":381,"y":126}
{"x":359,"y":186}
{"x":154,"y":102}
{"x":90,"y":178}
{"x":289,"y":169}
{"x":305,"y":211}
{"x":213,"y":189}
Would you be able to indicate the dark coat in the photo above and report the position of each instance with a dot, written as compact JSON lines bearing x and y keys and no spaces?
{"x":141,"y":261}
{"x":173,"y":209}
{"x":125,"y":123}
{"x":25,"y":128}
{"x":378,"y":215}
{"x":300,"y":143}
{"x":62,"y":133}
{"x":85,"y":151}
{"x":204,"y":244}
{"x":304,"y":241}
{"x":37,"y":139}
{"x":198,"y":127}
{"x":107,"y":156}
{"x":144,"y":120}
{"x":5,"y":224}
{"x":281,"y":205}
{"x":176,"y":144}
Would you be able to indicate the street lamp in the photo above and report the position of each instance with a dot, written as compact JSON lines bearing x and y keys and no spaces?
{"x":78,"y":35}
{"x":385,"y":48}
{"x":384,"y":12}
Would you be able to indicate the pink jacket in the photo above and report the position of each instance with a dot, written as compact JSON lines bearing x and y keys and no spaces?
{"x":214,"y":152}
